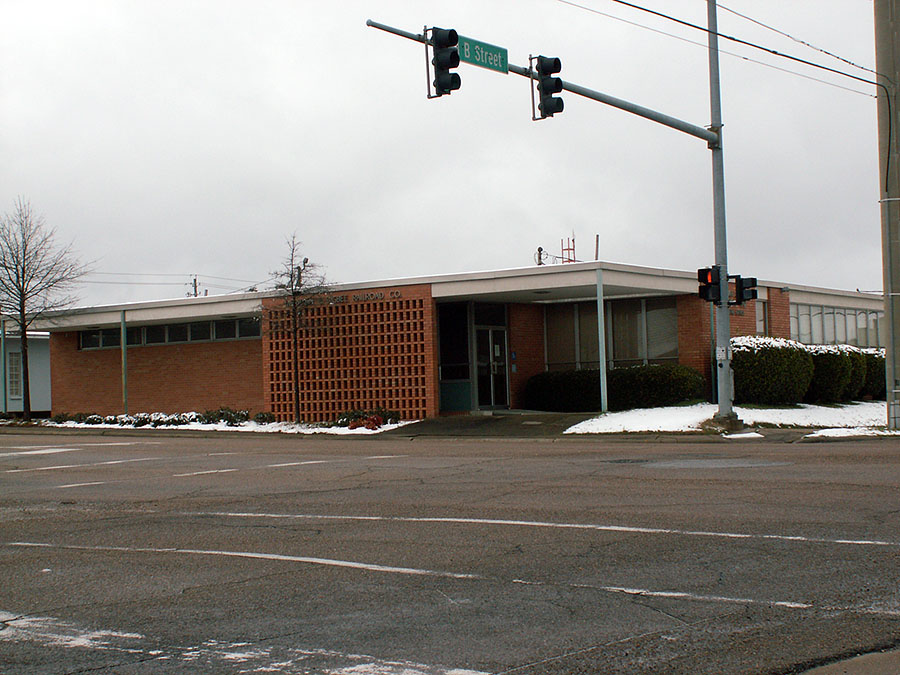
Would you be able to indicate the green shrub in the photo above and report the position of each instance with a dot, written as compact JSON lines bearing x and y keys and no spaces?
{"x":770,"y":371}
{"x":831,"y":374}
{"x":653,"y":386}
{"x":60,"y":418}
{"x":857,"y":373}
{"x":264,"y":418}
{"x":638,"y":386}
{"x":355,"y":418}
{"x":874,"y":386}
{"x":563,"y":391}
{"x":232,"y":418}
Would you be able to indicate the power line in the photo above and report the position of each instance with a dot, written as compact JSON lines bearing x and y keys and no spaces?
{"x":722,"y":51}
{"x":797,"y":40}
{"x":731,"y":38}
{"x":774,"y":52}
{"x":168,"y":274}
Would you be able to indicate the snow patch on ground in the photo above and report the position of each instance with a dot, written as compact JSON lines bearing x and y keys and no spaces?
{"x":851,"y":419}
{"x":272,"y":428}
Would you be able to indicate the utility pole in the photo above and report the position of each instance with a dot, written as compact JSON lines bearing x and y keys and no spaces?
{"x":887,"y":62}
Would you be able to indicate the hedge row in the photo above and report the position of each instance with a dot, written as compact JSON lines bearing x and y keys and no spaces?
{"x":230,"y":417}
{"x":638,"y":386}
{"x":783,"y":372}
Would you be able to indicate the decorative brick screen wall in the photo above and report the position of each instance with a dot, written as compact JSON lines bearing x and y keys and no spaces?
{"x":374,"y":348}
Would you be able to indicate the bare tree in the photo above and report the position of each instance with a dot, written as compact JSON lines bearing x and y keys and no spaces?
{"x":300,"y":284}
{"x":36,"y":276}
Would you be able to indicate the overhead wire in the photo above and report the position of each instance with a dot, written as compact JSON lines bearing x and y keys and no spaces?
{"x":722,"y":51}
{"x":796,"y":39}
{"x":773,"y":52}
{"x":730,"y":38}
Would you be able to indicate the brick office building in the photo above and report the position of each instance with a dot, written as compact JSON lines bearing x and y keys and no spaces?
{"x":424,"y":346}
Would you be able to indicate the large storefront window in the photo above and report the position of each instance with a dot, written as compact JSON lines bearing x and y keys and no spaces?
{"x":637,"y":332}
{"x":627,"y":338}
{"x":560,"y":322}
{"x":662,"y":329}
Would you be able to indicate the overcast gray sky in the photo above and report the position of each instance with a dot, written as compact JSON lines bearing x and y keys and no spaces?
{"x":193,"y":137}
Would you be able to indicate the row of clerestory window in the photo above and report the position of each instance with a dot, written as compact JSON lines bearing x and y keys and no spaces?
{"x":170,"y":333}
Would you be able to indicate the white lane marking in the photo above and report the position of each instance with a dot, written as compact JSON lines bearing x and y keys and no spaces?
{"x":371,"y":567}
{"x":202,"y":473}
{"x":80,"y":466}
{"x":279,"y":466}
{"x":77,"y":485}
{"x":328,"y":562}
{"x":41,"y":451}
{"x":679,"y":595}
{"x":77,"y":446}
{"x":563,"y":526}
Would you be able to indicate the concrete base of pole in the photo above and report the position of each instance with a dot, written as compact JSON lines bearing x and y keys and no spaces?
{"x":729,"y":423}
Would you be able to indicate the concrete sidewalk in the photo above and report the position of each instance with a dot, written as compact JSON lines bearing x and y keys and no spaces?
{"x":878,"y":663}
{"x":532,"y":424}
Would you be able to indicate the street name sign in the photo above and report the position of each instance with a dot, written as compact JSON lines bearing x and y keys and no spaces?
{"x":482,"y":54}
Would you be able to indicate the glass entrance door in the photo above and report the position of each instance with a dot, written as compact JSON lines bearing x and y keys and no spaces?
{"x":493,"y":387}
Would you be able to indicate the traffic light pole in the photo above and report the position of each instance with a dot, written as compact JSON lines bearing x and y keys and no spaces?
{"x":713,"y":137}
{"x":725,"y":415}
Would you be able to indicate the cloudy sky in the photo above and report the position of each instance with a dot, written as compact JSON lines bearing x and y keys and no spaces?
{"x":169,"y":139}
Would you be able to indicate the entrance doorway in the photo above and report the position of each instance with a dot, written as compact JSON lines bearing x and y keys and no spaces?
{"x":491,"y":364}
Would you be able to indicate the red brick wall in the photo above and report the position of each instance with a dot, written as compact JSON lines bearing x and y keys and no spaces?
{"x":694,"y":341}
{"x":526,"y":340}
{"x":161,"y":378}
{"x":365,"y":349}
{"x":693,"y":333}
{"x":779,"y":313}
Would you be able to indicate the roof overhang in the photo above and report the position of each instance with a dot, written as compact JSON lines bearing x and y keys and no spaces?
{"x":536,"y":284}
{"x":161,"y":311}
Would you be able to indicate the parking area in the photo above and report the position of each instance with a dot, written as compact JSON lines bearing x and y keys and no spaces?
{"x":252,"y":553}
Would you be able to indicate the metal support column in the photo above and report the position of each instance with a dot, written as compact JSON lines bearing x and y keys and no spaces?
{"x":3,"y":356}
{"x":601,"y":342}
{"x":124,"y":343}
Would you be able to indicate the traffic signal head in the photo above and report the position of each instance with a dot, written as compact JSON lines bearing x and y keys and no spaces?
{"x":745,"y":289}
{"x":547,"y":66}
{"x":446,"y":56}
{"x":710,"y":278}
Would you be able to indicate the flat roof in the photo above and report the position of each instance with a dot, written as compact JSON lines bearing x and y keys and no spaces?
{"x":533,"y":284}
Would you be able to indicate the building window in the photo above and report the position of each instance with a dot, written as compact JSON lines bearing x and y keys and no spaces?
{"x":762,"y":318}
{"x":248,"y":327}
{"x":662,"y":330}
{"x":156,"y":334}
{"x":637,"y":332}
{"x":627,"y":333}
{"x":814,"y":324}
{"x":14,"y":373}
{"x":560,"y":322}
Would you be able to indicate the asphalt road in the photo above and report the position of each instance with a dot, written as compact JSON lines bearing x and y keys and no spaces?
{"x":395,"y":556}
